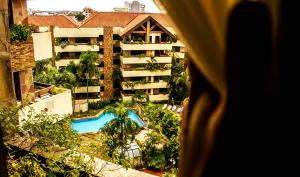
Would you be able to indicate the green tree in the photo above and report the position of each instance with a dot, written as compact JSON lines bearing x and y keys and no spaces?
{"x":152,"y":151}
{"x":178,"y":82}
{"x":80,"y":16}
{"x":41,"y":134}
{"x":183,"y":79}
{"x":88,"y":68}
{"x":121,"y":129}
{"x":41,"y":66}
{"x":48,"y":76}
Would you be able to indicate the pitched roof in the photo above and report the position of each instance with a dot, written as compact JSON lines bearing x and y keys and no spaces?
{"x":97,"y":19}
{"x":119,"y":19}
{"x":61,"y":21}
{"x":137,"y":21}
{"x":114,"y":19}
{"x":141,"y":19}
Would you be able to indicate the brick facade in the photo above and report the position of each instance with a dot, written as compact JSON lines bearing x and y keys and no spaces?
{"x":22,"y":55}
{"x":108,"y":62}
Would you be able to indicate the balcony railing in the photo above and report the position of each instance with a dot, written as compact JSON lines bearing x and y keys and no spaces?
{"x":142,"y":60}
{"x":92,"y":89}
{"x":77,"y":48}
{"x":179,"y":55}
{"x":131,"y":85}
{"x":146,"y":46}
{"x":153,"y":98}
{"x":142,"y":73}
{"x":41,"y":89}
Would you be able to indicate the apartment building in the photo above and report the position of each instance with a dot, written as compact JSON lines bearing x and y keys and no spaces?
{"x":140,"y":44}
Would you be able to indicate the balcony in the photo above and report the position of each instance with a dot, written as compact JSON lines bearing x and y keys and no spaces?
{"x":153,"y":98}
{"x":65,"y":62}
{"x":77,"y":32}
{"x":159,"y":97}
{"x":179,"y":55}
{"x":152,"y":85}
{"x":52,"y":100}
{"x":77,"y":48}
{"x":92,"y":89}
{"x":146,"y":46}
{"x":142,"y":60}
{"x":143,"y":73}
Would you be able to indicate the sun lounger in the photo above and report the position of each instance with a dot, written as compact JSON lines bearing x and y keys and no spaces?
{"x":169,"y":107}
{"x":165,"y":106}
{"x":173,"y":108}
{"x":179,"y":109}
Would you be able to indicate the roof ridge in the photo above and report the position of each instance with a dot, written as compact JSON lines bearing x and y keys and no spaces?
{"x":71,"y":20}
{"x":131,"y":20}
{"x":87,"y":20}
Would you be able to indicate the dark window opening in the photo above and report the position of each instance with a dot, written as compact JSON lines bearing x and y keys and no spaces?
{"x":17,"y":86}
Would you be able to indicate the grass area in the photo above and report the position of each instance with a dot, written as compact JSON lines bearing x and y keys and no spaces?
{"x":91,"y":144}
{"x":89,"y":113}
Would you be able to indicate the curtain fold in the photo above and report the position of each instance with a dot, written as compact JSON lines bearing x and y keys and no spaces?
{"x":201,"y":25}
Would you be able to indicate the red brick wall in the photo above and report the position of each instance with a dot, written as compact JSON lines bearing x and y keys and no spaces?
{"x":108,"y":62}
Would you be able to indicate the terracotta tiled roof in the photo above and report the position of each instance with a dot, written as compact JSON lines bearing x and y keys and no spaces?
{"x":61,"y":21}
{"x":97,"y":19}
{"x":119,"y":19}
{"x":135,"y":22}
{"x":115,"y":19}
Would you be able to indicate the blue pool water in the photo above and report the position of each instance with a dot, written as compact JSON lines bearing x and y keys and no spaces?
{"x":94,"y":124}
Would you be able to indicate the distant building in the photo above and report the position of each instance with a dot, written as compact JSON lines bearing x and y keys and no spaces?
{"x":120,"y":9}
{"x":134,"y":6}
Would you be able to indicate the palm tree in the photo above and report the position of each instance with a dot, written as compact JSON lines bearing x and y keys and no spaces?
{"x":88,"y":68}
{"x":122,"y":127}
{"x":183,"y":79}
{"x":73,"y":68}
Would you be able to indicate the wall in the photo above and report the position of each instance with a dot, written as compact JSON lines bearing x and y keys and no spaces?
{"x":42,"y":44}
{"x":27,"y":86}
{"x":78,"y":32}
{"x":19,"y":11}
{"x":22,"y":55}
{"x":108,"y":62}
{"x":60,"y":104}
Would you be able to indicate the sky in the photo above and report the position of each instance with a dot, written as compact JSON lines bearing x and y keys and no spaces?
{"x":78,"y":5}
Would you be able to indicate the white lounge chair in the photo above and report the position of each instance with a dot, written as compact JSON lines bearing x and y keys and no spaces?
{"x":173,"y":108}
{"x":179,"y":110}
{"x":169,"y":107}
{"x":165,"y":106}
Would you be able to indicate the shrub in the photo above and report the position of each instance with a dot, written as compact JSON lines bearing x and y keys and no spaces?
{"x":56,"y":90}
{"x":102,"y":104}
{"x":19,"y":33}
{"x":80,"y":16}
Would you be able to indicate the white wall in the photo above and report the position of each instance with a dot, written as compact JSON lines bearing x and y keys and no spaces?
{"x":78,"y":32}
{"x":42,"y":45}
{"x":60,"y":104}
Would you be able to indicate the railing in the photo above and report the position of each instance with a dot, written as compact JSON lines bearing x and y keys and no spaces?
{"x":141,"y":73}
{"x":146,"y":46}
{"x":41,"y":89}
{"x":77,"y":48}
{"x":143,"y":60}
{"x":131,"y":85}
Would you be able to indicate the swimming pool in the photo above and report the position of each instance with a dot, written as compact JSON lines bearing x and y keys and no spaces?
{"x":94,"y":124}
